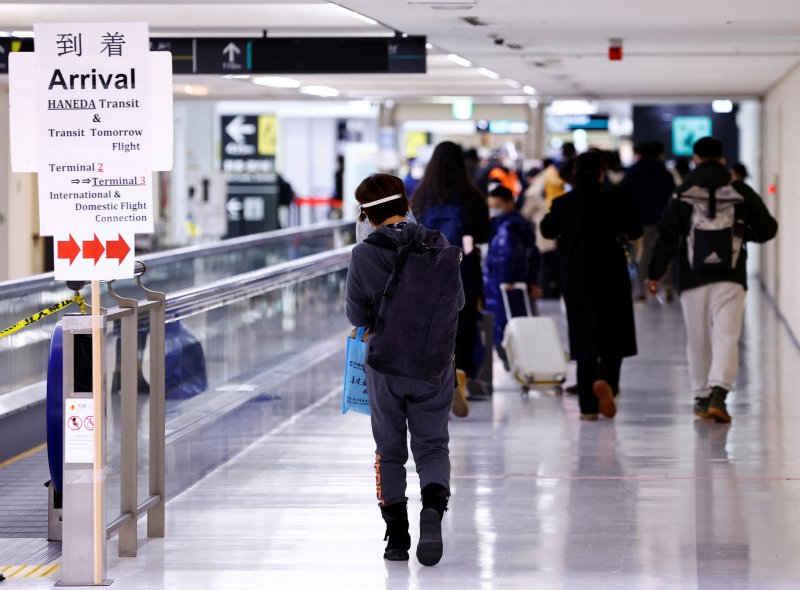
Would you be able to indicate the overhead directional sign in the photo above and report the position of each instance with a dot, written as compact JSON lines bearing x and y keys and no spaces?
{"x":283,"y":55}
{"x":302,"y":55}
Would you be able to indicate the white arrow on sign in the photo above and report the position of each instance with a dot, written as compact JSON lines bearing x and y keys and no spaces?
{"x":232,"y":50}
{"x":234,"y":208}
{"x":237,"y":129}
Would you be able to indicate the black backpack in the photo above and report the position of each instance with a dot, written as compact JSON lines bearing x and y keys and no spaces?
{"x":416,"y":316}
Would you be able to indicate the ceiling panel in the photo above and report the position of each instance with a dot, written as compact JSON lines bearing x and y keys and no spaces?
{"x":678,"y":48}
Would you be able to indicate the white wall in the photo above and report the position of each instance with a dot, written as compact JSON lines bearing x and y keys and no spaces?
{"x":20,"y":251}
{"x":307,"y":155}
{"x":781,"y":167}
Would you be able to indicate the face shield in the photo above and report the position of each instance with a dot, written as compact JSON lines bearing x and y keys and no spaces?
{"x":364,"y":226}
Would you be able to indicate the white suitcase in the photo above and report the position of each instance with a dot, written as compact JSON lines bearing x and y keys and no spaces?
{"x":533,"y":347}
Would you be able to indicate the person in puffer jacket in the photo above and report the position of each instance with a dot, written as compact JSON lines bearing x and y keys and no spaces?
{"x":512,"y":258}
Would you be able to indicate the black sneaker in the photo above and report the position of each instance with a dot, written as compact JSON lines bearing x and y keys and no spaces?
{"x":716,"y":407}
{"x":701,"y":407}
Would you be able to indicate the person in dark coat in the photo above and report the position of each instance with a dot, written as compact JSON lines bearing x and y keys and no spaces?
{"x":512,"y":258}
{"x":650,"y":186}
{"x":447,"y":200}
{"x":590,"y":224}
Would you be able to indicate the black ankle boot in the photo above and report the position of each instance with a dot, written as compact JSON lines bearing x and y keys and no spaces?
{"x":434,"y":504}
{"x":399,"y":541}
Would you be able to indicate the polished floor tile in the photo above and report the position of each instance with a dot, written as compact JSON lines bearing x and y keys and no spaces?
{"x":653,"y":499}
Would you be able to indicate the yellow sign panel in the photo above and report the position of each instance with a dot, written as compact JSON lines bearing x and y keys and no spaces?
{"x":414,"y":141}
{"x":267,"y":135}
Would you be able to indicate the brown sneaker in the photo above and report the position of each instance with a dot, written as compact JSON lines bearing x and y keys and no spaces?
{"x":717,"y":408}
{"x":460,"y":403}
{"x":605,"y":397}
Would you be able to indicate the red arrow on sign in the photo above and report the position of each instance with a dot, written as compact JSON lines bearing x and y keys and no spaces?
{"x":117,"y":249}
{"x":93,"y":249}
{"x":69,"y":249}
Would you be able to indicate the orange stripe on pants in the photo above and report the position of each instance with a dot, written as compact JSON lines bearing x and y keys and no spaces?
{"x":378,"y":488}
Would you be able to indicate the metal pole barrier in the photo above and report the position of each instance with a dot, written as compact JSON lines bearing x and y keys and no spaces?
{"x":84,"y":543}
{"x":129,"y":427}
{"x":158,"y":485}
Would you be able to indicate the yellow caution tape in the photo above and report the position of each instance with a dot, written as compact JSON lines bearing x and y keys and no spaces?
{"x":44,"y":313}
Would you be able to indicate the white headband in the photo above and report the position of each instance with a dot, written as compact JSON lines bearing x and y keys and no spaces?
{"x":379,"y":201}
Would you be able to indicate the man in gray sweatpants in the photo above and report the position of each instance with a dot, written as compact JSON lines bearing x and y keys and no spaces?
{"x":713,"y":273}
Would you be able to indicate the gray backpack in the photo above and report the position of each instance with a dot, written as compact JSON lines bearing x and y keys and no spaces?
{"x":715,"y":236}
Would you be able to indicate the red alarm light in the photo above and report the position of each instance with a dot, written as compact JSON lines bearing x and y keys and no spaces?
{"x":615,"y":49}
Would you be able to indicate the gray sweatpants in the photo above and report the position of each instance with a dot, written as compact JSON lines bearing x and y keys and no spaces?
{"x":713,"y":315}
{"x":398,"y":406}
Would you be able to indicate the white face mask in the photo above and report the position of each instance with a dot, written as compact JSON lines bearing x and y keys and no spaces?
{"x":364,"y":228}
{"x":495,"y":212}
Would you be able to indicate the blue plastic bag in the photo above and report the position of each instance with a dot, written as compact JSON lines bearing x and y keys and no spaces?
{"x":354,"y":395}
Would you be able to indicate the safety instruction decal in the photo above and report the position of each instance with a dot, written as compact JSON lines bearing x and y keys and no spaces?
{"x":79,"y":431}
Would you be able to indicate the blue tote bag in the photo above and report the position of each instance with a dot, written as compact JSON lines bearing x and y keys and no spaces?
{"x":354,"y":395}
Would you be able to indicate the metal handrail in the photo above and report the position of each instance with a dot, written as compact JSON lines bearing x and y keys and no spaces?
{"x":196,"y":300}
{"x":156,"y":259}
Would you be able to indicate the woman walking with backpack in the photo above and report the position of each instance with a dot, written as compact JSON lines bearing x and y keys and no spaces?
{"x":410,"y":371}
{"x":447,"y":200}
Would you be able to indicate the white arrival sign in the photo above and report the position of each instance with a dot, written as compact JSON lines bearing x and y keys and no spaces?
{"x":93,"y":127}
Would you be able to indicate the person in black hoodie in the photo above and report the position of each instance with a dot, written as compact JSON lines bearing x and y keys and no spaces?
{"x":590,"y":224}
{"x":712,"y":274}
{"x":401,"y":403}
{"x":650,"y":185}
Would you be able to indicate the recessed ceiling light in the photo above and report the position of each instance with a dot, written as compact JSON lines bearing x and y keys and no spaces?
{"x":528,"y":89}
{"x":323,"y":91}
{"x":354,"y":14}
{"x":722,"y":106}
{"x":276,"y":82}
{"x":193,"y":90}
{"x":457,"y":59}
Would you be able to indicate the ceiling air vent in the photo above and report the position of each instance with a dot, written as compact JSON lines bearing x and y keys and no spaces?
{"x":446,"y":4}
{"x":514,"y":46}
{"x":474,"y":21}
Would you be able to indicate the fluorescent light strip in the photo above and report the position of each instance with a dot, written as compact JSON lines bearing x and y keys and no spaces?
{"x":276,"y":82}
{"x":489,"y":73}
{"x":22,"y":34}
{"x":323,"y":91}
{"x":457,"y":59}
{"x":354,"y":14}
{"x":512,"y":83}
